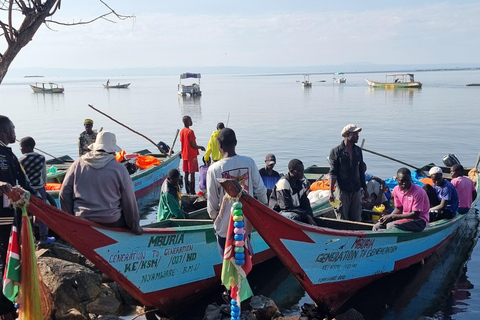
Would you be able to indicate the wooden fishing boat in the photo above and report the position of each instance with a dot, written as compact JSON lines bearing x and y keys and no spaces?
{"x":145,"y":181}
{"x":49,"y":87}
{"x":335,"y":259}
{"x":394,"y":81}
{"x":169,"y":266}
{"x":116,"y":86}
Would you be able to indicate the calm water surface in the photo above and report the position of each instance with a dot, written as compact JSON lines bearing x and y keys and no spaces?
{"x":275,"y":114}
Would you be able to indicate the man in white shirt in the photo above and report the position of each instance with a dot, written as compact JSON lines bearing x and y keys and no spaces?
{"x":232,"y":166}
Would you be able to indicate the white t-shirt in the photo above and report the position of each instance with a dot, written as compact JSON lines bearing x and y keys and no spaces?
{"x":245,"y":171}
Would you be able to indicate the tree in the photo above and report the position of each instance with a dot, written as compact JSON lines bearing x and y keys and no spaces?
{"x":35,"y":13}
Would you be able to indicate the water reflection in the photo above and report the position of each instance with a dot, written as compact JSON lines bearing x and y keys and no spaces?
{"x":400,"y":95}
{"x":191,"y":106}
{"x":48,"y":100}
{"x":306,"y":93}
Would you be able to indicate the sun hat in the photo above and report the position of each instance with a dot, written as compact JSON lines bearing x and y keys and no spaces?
{"x":349,"y":128}
{"x":87,"y":121}
{"x":270,"y":159}
{"x":435,"y":170}
{"x":105,"y":141}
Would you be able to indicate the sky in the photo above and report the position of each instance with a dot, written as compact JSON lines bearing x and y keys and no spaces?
{"x":261,"y":33}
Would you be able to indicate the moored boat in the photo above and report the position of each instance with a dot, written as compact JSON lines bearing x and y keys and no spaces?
{"x":49,"y":87}
{"x":145,"y":181}
{"x":171,"y":265}
{"x":192,"y":89}
{"x":338,"y":78}
{"x":306,"y":83}
{"x":336,"y":258}
{"x":393,"y":81}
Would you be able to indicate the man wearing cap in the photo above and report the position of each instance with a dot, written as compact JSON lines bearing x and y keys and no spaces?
{"x":87,"y":137}
{"x":443,"y":196}
{"x":98,"y":188}
{"x":411,"y":206}
{"x":269,"y":176}
{"x":347,"y":171}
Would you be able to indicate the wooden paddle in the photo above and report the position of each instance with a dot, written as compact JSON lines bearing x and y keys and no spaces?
{"x":106,"y":115}
{"x":387,"y":157}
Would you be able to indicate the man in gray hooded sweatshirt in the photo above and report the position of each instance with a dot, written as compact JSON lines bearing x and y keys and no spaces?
{"x":98,"y":188}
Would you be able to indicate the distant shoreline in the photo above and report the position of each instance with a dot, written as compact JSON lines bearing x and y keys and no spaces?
{"x":34,"y":76}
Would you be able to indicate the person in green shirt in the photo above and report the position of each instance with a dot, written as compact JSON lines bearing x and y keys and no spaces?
{"x":169,"y":205}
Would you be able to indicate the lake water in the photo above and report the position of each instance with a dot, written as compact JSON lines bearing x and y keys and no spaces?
{"x":274,"y":114}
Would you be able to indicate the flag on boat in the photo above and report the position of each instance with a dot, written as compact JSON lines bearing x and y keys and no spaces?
{"x":234,"y":276}
{"x":11,"y":275}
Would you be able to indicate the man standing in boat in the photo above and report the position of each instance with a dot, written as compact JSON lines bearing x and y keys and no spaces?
{"x":189,"y":154}
{"x":411,"y":203}
{"x":232,"y":166}
{"x":347,"y":171}
{"x":86,"y":138}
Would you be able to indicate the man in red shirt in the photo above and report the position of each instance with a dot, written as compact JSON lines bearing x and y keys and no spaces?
{"x":189,"y":154}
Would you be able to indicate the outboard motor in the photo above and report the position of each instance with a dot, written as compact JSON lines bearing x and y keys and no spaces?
{"x":162,"y":145}
{"x":450,"y":159}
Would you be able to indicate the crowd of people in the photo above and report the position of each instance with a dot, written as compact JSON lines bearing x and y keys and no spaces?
{"x":99,"y":189}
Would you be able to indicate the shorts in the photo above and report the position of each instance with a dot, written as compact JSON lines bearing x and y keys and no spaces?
{"x":190,"y":165}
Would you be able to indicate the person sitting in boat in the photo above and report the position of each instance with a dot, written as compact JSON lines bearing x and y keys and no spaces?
{"x":443,"y":196}
{"x":289,"y":196}
{"x":269,"y":176}
{"x":411,"y":211}
{"x":465,"y":188}
{"x":86,"y":138}
{"x":376,"y":188}
{"x":99,"y":189}
{"x":169,"y":205}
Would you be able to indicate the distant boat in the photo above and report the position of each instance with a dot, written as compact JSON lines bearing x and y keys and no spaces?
{"x":473,"y":84}
{"x":115,"y":86}
{"x":306,"y":81}
{"x":393,"y":81}
{"x":49,"y":87}
{"x":192,"y":89}
{"x":338,"y":77}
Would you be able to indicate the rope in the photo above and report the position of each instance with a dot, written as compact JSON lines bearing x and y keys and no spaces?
{"x":227,"y":197}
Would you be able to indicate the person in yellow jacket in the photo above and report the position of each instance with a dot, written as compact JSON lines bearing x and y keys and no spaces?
{"x":212,"y":147}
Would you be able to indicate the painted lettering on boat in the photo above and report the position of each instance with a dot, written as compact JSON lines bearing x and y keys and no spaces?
{"x":141,"y":265}
{"x":158,"y":275}
{"x":124,"y":257}
{"x":171,"y":239}
{"x":362,"y":243}
{"x":378,"y":251}
{"x":337,"y":256}
{"x":191,"y":268}
{"x":177,"y":250}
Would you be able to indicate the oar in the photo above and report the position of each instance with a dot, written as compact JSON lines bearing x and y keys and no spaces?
{"x":173,"y":144}
{"x":106,"y":115}
{"x":48,"y":154}
{"x":387,"y":157}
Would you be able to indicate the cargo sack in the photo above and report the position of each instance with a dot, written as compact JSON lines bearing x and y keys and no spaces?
{"x":450,"y":159}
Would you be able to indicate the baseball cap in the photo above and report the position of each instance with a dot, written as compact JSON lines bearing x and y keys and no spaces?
{"x":349,"y":128}
{"x":270,"y":159}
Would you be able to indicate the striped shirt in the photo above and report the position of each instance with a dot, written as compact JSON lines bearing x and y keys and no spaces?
{"x":35,"y":168}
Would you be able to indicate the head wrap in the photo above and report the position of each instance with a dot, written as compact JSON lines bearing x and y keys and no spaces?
{"x":88,"y":121}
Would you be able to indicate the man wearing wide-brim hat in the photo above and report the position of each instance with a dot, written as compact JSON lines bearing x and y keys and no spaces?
{"x":98,"y":188}
{"x":347,"y":171}
{"x":87,"y":137}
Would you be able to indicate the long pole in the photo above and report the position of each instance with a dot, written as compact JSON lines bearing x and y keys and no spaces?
{"x":228,"y":119}
{"x":387,"y":157}
{"x":173,"y":144}
{"x":125,"y":126}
